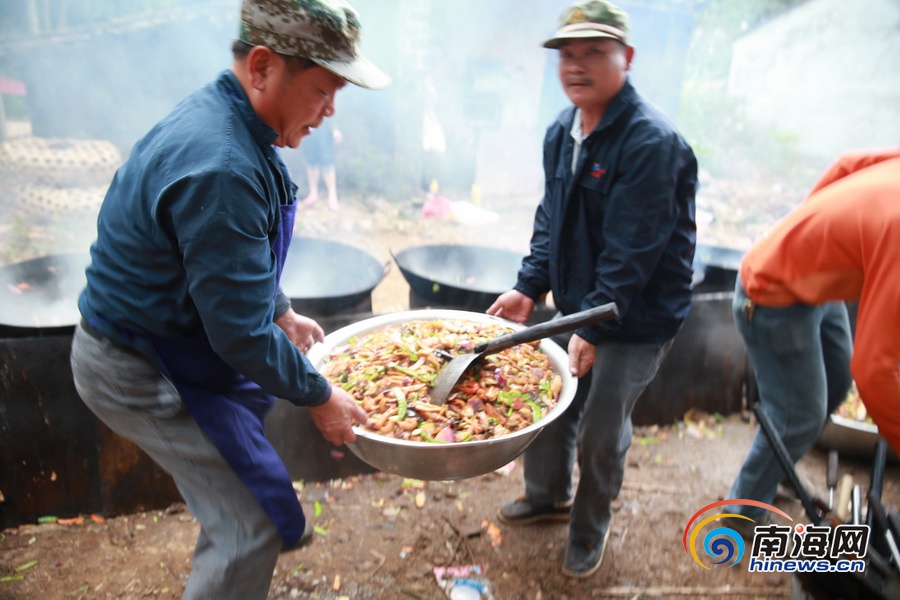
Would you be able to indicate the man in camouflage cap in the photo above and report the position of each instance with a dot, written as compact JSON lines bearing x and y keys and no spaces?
{"x":187,"y":338}
{"x":325,"y":31}
{"x":616,"y":224}
{"x":591,"y":19}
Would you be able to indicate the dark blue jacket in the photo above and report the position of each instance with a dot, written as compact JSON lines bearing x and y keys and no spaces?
{"x":622,"y":228}
{"x":184,"y":241}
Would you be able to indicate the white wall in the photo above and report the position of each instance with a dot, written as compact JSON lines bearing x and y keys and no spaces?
{"x":827,"y":72}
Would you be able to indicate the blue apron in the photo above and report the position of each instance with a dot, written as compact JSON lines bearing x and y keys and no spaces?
{"x":231,"y":410}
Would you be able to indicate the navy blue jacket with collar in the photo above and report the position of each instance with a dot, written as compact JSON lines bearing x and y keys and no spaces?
{"x":184,"y":242}
{"x":621,"y":229}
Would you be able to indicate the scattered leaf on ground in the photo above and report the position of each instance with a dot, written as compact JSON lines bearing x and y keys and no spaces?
{"x":493,"y":532}
{"x":79,"y":591}
{"x":26,"y":566}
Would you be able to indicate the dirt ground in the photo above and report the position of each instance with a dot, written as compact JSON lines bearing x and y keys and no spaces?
{"x":380,"y":536}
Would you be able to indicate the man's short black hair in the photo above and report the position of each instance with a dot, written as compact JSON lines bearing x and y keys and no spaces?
{"x":296,"y":64}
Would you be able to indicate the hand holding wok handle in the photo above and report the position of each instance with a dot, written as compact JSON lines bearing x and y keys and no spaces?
{"x":513,"y":306}
{"x":604,"y":312}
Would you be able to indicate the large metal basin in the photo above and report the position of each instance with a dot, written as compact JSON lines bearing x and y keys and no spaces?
{"x":851,"y":438}
{"x":461,"y":460}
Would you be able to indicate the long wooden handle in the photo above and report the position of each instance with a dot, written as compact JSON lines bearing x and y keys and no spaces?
{"x":550,"y":328}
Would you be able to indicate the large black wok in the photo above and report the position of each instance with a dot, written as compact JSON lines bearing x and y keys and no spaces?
{"x":324,"y":278}
{"x":456,"y":276}
{"x":715,"y":268}
{"x":40,"y":296}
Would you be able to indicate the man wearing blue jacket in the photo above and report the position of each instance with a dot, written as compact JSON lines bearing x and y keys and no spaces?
{"x":616,"y":224}
{"x":186,"y":338}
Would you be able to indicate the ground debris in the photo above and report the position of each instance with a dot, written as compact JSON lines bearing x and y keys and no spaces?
{"x":391,"y":555}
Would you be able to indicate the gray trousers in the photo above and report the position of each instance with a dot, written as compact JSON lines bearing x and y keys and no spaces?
{"x":238,"y":544}
{"x":596,"y":429}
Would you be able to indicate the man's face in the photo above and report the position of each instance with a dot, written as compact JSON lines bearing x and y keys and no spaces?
{"x":302,"y":100}
{"x":592,"y":70}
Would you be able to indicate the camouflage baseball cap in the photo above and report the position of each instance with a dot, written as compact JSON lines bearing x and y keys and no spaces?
{"x":324,"y":31}
{"x":591,"y":19}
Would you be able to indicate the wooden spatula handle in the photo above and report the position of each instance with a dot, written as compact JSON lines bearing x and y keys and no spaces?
{"x":550,"y":328}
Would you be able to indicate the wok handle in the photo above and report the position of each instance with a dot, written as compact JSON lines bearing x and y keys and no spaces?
{"x":550,"y":328}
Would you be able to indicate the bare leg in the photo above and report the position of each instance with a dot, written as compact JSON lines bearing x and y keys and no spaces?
{"x":330,"y":178}
{"x":312,"y":176}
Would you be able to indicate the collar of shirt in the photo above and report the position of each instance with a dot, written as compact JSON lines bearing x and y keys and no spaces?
{"x":578,"y":136}
{"x":231,"y":88}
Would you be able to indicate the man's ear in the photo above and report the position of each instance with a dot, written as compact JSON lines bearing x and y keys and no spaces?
{"x":629,"y":56}
{"x":261,"y":64}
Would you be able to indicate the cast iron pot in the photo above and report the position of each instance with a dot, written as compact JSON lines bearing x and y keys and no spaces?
{"x":457,"y":276}
{"x":715,"y":268}
{"x":39,"y":297}
{"x":322,"y":277}
{"x":438,"y":462}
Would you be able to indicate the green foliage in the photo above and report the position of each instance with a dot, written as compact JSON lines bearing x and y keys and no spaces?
{"x":719,"y":23}
{"x":725,"y":143}
{"x":367,"y":171}
{"x":367,"y":161}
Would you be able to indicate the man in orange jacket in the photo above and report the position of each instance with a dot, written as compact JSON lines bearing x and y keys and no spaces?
{"x":841,"y":244}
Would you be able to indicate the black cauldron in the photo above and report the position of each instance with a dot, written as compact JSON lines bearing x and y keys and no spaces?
{"x":715,"y":268}
{"x":457,"y":276}
{"x":39,"y":297}
{"x":324,"y":278}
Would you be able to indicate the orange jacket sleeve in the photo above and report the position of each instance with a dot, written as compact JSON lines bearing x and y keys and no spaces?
{"x":850,"y":163}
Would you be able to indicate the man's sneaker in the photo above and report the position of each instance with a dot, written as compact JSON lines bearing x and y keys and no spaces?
{"x":523,"y":511}
{"x":583,"y":560}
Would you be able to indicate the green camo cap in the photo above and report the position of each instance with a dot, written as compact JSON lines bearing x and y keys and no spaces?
{"x":591,"y":19}
{"x":325,"y":31}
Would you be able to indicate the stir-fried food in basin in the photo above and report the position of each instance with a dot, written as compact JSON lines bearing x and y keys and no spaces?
{"x":390,"y":372}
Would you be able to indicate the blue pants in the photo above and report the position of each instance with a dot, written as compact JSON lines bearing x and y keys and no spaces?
{"x":801,"y":355}
{"x":596,"y":429}
{"x":238,"y":544}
